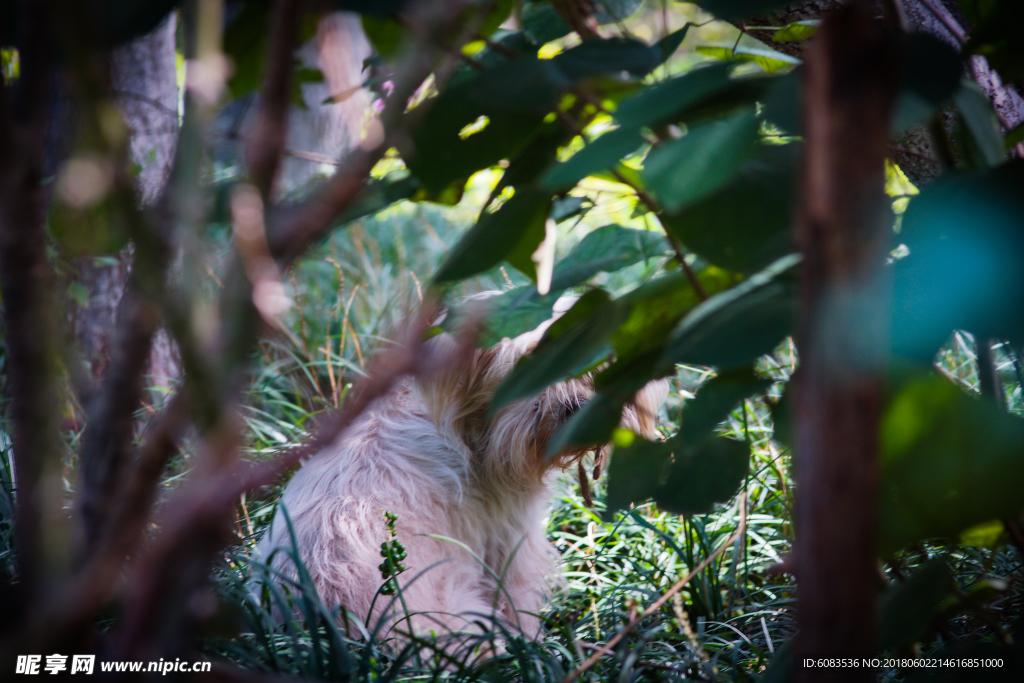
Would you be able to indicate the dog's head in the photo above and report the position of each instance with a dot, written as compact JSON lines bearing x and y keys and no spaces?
{"x":515,"y":440}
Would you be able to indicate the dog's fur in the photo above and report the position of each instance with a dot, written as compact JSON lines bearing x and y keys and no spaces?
{"x":429,"y":453}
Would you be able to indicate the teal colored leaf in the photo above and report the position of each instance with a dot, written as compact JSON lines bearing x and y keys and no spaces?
{"x":747,"y":223}
{"x":607,"y":249}
{"x":740,"y":324}
{"x":508,"y":314}
{"x":496,"y":235}
{"x":682,"y":171}
{"x":567,"y":207}
{"x":614,"y":11}
{"x":965,"y":270}
{"x":570,"y":345}
{"x":948,"y":460}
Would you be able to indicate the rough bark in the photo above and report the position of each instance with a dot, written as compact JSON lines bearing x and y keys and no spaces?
{"x":144,"y":81}
{"x":850,"y":88}
{"x":915,"y":151}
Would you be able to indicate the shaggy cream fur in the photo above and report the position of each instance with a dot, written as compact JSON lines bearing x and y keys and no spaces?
{"x":429,"y":453}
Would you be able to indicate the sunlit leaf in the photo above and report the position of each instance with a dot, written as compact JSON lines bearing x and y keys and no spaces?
{"x":682,"y":171}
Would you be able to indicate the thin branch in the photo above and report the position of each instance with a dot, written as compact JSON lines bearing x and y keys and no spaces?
{"x":266,"y":143}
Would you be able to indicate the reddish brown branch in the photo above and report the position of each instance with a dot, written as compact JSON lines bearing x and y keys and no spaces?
{"x":266,"y":142}
{"x":850,"y":89}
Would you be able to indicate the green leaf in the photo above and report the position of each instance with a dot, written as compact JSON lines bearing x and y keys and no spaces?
{"x":377,"y":195}
{"x":948,"y":462}
{"x":782,"y":103}
{"x":385,"y":34}
{"x":740,"y":324}
{"x":703,"y":475}
{"x":715,"y":400}
{"x":568,"y":347}
{"x":981,"y":123}
{"x":567,"y":207}
{"x":683,"y":171}
{"x":614,"y":11}
{"x":542,"y":23}
{"x":771,"y":61}
{"x":996,"y":36}
{"x":906,"y":609}
{"x":598,"y":155}
{"x":668,"y":101}
{"x":965,"y":270}
{"x":930,"y":75}
{"x":747,"y":223}
{"x":635,"y":472}
{"x":797,"y":32}
{"x":607,"y":249}
{"x":245,"y":43}
{"x":667,"y":46}
{"x":439,"y":155}
{"x":79,"y":293}
{"x":656,"y":308}
{"x":496,"y":235}
{"x":591,"y":425}
{"x":630,"y":58}
{"x":508,"y":314}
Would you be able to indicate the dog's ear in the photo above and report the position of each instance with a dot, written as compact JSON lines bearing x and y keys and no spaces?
{"x":458,"y":390}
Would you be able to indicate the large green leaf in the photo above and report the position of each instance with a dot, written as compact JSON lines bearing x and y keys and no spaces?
{"x":906,"y":609}
{"x":965,"y":269}
{"x":740,"y":324}
{"x":682,"y":171}
{"x":715,"y":401}
{"x":703,"y":475}
{"x":949,"y":461}
{"x":607,"y":249}
{"x":618,"y":56}
{"x":598,"y":155}
{"x":668,"y":101}
{"x":635,"y":472}
{"x":573,"y":343}
{"x":747,"y":223}
{"x":591,"y":425}
{"x":542,"y":23}
{"x":496,"y":235}
{"x":507,"y":314}
{"x":441,"y":153}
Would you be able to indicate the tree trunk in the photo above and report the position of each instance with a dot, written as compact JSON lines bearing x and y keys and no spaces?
{"x":850,"y":87}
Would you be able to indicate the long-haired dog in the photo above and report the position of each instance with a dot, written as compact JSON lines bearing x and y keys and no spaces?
{"x":469,"y":489}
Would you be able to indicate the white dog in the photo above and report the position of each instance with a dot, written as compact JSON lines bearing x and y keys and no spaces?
{"x":430,"y":453}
